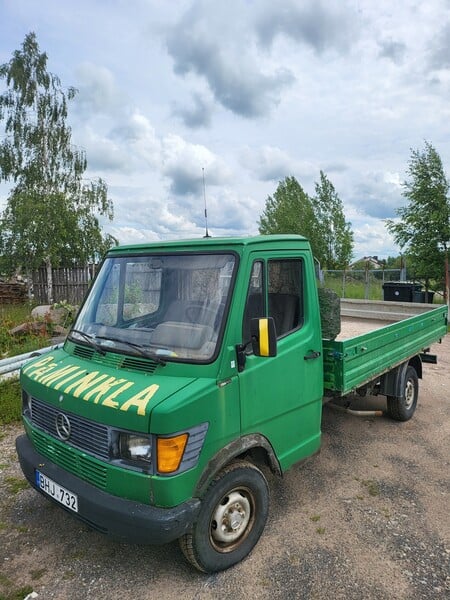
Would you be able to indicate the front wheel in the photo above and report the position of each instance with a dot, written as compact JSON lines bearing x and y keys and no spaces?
{"x":401,"y":408}
{"x":232,"y":518}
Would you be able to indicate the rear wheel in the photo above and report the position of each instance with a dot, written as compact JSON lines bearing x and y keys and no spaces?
{"x":231,"y":521}
{"x":402,"y":408}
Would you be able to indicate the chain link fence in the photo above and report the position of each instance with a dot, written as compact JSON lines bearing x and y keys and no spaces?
{"x":365,"y":284}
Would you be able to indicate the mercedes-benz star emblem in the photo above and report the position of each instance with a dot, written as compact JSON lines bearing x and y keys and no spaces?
{"x":63,"y":428}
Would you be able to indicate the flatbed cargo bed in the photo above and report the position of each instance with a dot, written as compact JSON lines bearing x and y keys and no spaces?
{"x":351,"y":361}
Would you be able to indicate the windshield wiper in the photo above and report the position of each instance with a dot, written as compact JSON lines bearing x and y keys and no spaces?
{"x":90,"y":340}
{"x":140,"y":349}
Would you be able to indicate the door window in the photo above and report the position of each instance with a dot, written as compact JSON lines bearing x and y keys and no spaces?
{"x":284,"y":292}
{"x":254,"y":305}
{"x":285,"y":303}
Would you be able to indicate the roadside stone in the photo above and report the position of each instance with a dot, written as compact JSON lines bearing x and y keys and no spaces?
{"x":47,"y":312}
{"x":24,"y":328}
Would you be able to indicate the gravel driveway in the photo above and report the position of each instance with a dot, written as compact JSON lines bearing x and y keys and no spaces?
{"x":367,"y":518}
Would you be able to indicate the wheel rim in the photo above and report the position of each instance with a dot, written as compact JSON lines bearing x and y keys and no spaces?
{"x":232,"y":520}
{"x":409,"y":394}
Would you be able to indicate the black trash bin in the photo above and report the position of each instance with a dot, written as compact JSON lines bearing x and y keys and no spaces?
{"x":418,"y":296}
{"x":424,"y":297}
{"x":400,"y":291}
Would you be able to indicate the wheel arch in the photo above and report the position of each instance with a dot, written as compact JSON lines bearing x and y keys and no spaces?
{"x":253,"y":447}
{"x":392,"y":382}
{"x":416,"y":362}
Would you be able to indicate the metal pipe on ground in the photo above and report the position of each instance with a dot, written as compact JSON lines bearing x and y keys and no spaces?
{"x":357,"y":413}
{"x":8,"y":366}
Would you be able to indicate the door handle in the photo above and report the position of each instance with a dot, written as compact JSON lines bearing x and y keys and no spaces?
{"x":313,"y":354}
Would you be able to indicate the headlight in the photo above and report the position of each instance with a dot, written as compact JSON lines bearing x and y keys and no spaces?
{"x":135,"y":447}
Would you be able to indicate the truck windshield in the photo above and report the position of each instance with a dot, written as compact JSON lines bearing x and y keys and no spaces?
{"x":167,"y":307}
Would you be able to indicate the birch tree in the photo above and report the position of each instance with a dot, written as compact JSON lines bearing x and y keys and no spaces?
{"x":52,"y":213}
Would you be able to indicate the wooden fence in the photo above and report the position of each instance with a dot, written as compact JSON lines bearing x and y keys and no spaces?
{"x":69,"y":284}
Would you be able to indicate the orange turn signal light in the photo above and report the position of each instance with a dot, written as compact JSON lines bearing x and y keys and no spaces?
{"x":170,"y":452}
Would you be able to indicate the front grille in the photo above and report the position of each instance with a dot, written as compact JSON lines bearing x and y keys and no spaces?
{"x":84,"y":467}
{"x":84,"y":434}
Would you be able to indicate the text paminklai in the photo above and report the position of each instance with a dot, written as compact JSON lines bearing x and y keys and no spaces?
{"x":94,"y":386}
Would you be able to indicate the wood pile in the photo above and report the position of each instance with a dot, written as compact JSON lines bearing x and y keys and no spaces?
{"x":13,"y":293}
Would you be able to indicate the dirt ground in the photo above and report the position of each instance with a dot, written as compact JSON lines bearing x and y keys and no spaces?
{"x":367,"y":518}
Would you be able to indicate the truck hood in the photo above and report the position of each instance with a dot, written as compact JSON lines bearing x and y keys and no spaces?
{"x":117,"y":397}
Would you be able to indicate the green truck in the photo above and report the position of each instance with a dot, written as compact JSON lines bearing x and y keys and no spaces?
{"x":192,"y":368}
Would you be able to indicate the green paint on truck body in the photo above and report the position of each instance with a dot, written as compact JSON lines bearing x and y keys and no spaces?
{"x":159,"y":349}
{"x":351,"y":363}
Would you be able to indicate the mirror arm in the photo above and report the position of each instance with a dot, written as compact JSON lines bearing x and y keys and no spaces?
{"x":241,"y":355}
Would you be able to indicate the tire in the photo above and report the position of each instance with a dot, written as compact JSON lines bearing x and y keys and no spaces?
{"x":238,"y":499}
{"x":402,"y":408}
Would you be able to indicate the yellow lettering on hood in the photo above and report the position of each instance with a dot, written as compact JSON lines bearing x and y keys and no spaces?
{"x":47,"y":379}
{"x":41,"y":366}
{"x":84,"y":383}
{"x":94,"y":387}
{"x":109,"y":400}
{"x":103,"y":388}
{"x":141,"y":399}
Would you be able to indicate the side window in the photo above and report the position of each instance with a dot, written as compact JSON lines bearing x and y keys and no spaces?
{"x":254,"y":305}
{"x":285,"y":294}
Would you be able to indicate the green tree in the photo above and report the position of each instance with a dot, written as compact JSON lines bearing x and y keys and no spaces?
{"x":290,"y":210}
{"x":395,"y":262}
{"x":423,"y":228}
{"x":52,"y":213}
{"x":336,"y":233}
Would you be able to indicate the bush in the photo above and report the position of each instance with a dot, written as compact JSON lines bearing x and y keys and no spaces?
{"x":11,"y":345}
{"x":10,"y":401}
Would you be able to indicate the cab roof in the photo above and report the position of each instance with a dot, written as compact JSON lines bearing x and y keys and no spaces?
{"x":211,"y":243}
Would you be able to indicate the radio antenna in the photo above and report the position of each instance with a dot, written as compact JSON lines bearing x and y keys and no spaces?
{"x":206,"y":211}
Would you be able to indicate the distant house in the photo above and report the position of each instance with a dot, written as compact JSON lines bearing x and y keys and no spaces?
{"x":373,"y":262}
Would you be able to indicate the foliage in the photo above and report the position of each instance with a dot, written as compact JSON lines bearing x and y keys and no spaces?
{"x":70,"y":312}
{"x":52,"y":214}
{"x":336,"y":232}
{"x":395,"y":262}
{"x":423,"y":228}
{"x":320,"y":219}
{"x":10,"y":405}
{"x":290,"y":210}
{"x":354,"y":289}
{"x":12,"y":345}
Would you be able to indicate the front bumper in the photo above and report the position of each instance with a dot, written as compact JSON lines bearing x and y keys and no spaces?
{"x":122,"y":519}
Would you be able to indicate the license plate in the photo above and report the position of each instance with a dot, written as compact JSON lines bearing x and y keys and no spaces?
{"x":57,"y":492}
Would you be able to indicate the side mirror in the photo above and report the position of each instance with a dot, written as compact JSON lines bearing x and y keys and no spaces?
{"x":264,"y":336}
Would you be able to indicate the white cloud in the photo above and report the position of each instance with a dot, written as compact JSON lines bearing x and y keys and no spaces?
{"x":183,"y":163}
{"x":270,"y":163}
{"x":98,"y":92}
{"x":371,"y":238}
{"x":251,"y":92}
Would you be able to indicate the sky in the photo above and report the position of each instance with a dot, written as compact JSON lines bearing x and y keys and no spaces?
{"x":245,"y":93}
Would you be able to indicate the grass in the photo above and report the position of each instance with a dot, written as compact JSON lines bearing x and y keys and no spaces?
{"x":10,"y":401}
{"x":372,"y":487}
{"x":11,"y":316}
{"x":16,"y":484}
{"x":355,"y":287}
{"x":18,"y":594}
{"x":12,"y":345}
{"x":320,"y":530}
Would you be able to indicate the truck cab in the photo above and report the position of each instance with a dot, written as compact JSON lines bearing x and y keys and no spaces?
{"x":190,"y":368}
